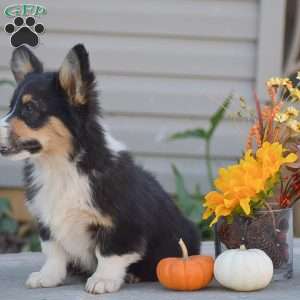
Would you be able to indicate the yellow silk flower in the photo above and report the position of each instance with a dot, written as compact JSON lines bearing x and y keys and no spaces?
{"x":239,"y":184}
{"x":271,"y":158}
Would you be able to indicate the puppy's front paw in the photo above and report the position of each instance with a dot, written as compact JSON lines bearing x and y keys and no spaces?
{"x":40,"y":279}
{"x":97,"y":285}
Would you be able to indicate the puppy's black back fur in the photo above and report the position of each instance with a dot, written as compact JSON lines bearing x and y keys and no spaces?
{"x":145,"y":218}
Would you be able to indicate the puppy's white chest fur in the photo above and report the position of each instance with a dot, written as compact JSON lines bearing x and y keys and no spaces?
{"x":64,"y":204}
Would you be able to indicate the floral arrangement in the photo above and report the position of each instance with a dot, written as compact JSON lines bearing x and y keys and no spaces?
{"x":250,"y":206}
{"x":269,"y":168}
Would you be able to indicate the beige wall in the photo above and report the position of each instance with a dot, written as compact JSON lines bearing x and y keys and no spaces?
{"x":16,"y":196}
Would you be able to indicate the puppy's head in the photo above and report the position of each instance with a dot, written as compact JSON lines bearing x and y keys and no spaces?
{"x":47,"y":108}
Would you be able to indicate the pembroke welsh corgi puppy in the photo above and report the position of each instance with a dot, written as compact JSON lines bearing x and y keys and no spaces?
{"x":94,"y":206}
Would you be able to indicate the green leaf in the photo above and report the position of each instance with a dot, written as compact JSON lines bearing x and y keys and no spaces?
{"x":197,"y":192}
{"x":218,"y":116}
{"x":188,"y":204}
{"x":5,"y":208}
{"x":183,"y":197}
{"x":199,"y":199}
{"x":199,"y":133}
{"x":206,"y":231}
{"x":32,"y":244}
{"x":8,"y":225}
{"x":230,"y":219}
{"x":197,"y":211}
{"x":191,"y":206}
{"x":7,"y":82}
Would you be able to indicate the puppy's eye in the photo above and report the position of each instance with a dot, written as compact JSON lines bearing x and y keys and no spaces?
{"x":28,"y":108}
{"x":30,"y":112}
{"x":34,"y":113}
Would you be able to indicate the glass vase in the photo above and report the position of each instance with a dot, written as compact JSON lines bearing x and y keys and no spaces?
{"x":268,"y":230}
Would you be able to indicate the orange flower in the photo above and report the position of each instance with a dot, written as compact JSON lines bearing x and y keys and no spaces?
{"x":239,"y":184}
{"x":215,"y":205}
{"x":271,"y":157}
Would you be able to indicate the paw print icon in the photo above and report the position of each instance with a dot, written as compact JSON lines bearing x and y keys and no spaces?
{"x":24,"y":31}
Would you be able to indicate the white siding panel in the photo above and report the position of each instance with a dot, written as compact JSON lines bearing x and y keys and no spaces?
{"x":272,"y":24}
{"x":194,"y":171}
{"x":162,"y":66}
{"x":11,"y":173}
{"x":151,"y":136}
{"x":5,"y":92}
{"x":168,"y":96}
{"x":188,"y":18}
{"x":159,"y":96}
{"x":150,"y":55}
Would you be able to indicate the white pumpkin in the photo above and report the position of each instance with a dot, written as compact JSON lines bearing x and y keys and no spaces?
{"x":243,"y":270}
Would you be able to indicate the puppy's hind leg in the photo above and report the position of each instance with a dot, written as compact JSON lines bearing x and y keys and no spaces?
{"x":110,"y":273}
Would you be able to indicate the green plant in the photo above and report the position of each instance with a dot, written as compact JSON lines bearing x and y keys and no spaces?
{"x":7,"y":82}
{"x":7,"y":223}
{"x":192,"y":204}
{"x":15,"y":236}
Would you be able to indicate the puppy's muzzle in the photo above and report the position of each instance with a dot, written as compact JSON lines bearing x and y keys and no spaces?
{"x":4,"y":135}
{"x":10,"y":144}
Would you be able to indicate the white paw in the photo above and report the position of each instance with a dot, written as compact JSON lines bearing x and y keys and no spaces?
{"x":96,"y":285}
{"x":40,"y":279}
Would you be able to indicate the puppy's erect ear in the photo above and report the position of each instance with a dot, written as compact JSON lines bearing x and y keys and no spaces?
{"x":75,"y":75}
{"x":23,"y":62}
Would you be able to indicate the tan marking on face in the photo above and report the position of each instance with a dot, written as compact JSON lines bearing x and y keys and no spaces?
{"x":26,"y":98}
{"x":54,"y":137}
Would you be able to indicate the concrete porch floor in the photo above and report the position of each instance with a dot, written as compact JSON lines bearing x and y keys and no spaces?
{"x":14,"y":269}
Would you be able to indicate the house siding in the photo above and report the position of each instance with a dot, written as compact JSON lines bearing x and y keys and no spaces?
{"x":162,"y":66}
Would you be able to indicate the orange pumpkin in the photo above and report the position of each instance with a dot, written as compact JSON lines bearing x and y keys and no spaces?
{"x":188,"y":273}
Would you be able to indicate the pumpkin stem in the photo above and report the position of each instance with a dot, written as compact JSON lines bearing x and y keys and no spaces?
{"x":243,"y":247}
{"x":184,"y":250}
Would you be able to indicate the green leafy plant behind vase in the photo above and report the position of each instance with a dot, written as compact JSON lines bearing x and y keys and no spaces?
{"x":7,"y":82}
{"x":15,"y":236}
{"x":192,"y":203}
{"x":7,"y":223}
